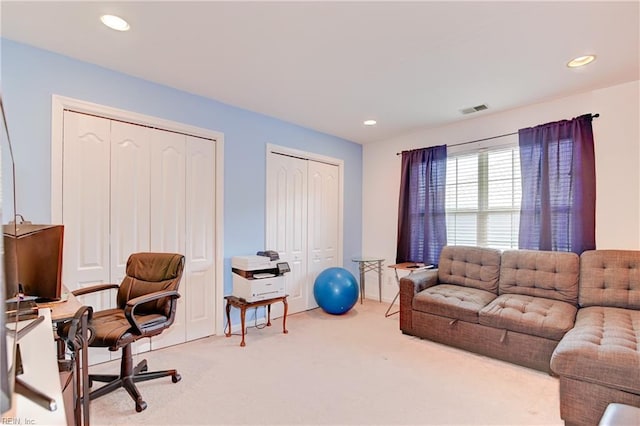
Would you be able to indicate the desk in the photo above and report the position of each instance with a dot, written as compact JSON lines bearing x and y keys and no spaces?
{"x":243,"y":305}
{"x":367,"y":264}
{"x":405,"y":266}
{"x":37,"y":349}
{"x":78,"y":368}
{"x":64,"y":309}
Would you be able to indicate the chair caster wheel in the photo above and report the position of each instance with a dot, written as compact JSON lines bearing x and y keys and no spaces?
{"x":176,"y":378}
{"x":140,"y":405}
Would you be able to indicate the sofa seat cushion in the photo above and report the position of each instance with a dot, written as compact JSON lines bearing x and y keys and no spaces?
{"x":453,"y":301}
{"x":602,"y":348}
{"x":548,"y":318}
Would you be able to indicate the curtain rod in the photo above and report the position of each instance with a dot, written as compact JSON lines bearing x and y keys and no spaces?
{"x":492,"y":137}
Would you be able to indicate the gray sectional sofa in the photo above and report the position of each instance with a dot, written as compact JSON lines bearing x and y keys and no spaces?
{"x":576,"y":317}
{"x":598,"y":360}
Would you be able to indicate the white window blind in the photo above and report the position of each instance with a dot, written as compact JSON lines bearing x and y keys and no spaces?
{"x":483,"y":198}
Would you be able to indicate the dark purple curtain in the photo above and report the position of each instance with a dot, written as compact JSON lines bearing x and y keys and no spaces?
{"x":422,"y":225}
{"x":558,"y":186}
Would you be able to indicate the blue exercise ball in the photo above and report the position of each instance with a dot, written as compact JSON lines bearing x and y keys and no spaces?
{"x":336,"y":290}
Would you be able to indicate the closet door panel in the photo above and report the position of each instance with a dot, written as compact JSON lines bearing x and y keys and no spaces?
{"x":86,"y":200}
{"x":130,"y":180}
{"x":287,"y":225}
{"x":323,"y":219}
{"x":85,"y":210}
{"x":200,"y":219}
{"x":167,"y":216}
{"x":167,"y":191}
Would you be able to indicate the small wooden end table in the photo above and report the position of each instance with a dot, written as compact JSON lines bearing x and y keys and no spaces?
{"x":243,"y":305}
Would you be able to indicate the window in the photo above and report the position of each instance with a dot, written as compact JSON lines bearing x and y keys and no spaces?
{"x":483,"y":198}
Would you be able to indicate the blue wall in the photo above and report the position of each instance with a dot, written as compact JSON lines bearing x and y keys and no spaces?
{"x":30,"y":76}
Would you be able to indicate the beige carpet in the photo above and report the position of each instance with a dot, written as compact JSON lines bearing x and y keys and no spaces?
{"x":354,"y":369}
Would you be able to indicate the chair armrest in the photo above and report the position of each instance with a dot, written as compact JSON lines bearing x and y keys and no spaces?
{"x":132,"y":304}
{"x":72,"y":332}
{"x":93,"y":289}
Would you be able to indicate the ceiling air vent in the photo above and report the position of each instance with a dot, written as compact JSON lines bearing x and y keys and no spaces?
{"x":473,"y":109}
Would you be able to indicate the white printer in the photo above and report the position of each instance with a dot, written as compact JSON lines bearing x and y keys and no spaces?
{"x":258,"y":277}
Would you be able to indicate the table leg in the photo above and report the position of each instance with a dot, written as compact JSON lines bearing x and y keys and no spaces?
{"x":380,"y":280}
{"x":268,"y":315}
{"x":284,"y":318}
{"x":387,"y":314}
{"x":228,"y":319}
{"x":361,"y":281}
{"x":243,"y":311}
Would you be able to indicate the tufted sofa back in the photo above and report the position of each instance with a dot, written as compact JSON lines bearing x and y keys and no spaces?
{"x":476,"y":267}
{"x":548,"y":274}
{"x":610,"y":278}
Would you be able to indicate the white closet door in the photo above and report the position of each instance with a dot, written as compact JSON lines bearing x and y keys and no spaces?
{"x":85,"y":210}
{"x":200,"y":218}
{"x":86,"y":201}
{"x":323,"y":220}
{"x":287,"y":225}
{"x":167,"y":207}
{"x":130,"y":177}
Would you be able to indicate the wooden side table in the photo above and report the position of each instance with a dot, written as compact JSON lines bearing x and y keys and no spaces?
{"x":243,"y":305}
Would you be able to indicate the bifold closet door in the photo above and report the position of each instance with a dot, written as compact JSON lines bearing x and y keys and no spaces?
{"x":287,"y":225}
{"x":85,"y":210}
{"x":129,"y":188}
{"x":130,"y":208}
{"x":323,"y":216}
{"x":302,"y":223}
{"x":167,"y":217}
{"x":129,"y":201}
{"x":200,"y":253}
{"x":86,"y":180}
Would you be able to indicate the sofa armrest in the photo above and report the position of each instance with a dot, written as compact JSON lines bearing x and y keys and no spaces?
{"x":411,"y":285}
{"x":418,"y":281}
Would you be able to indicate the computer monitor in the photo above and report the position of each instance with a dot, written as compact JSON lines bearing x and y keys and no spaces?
{"x":33,"y":260}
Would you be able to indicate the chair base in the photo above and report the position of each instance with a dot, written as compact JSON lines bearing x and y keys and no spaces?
{"x":128,"y":377}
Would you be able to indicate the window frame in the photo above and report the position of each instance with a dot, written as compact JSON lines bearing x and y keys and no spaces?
{"x":483,"y":211}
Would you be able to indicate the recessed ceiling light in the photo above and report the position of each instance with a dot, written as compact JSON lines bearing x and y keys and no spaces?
{"x":115,"y":22}
{"x":370,"y":122}
{"x":581,"y":61}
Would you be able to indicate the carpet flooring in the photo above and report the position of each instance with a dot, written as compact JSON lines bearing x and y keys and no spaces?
{"x":353,"y":369}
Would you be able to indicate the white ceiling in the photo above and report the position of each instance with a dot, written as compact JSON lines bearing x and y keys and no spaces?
{"x":330,"y":65}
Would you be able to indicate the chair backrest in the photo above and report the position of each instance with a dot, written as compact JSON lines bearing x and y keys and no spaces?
{"x":477,"y":267}
{"x":610,"y":278}
{"x":147,"y":273}
{"x":548,"y":274}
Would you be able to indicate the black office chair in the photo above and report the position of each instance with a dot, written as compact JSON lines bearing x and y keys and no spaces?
{"x":146,"y":305}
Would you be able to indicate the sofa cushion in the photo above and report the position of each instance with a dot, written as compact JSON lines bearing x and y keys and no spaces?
{"x":538,"y":316}
{"x":453,"y":301}
{"x":548,"y":274}
{"x":477,"y":267}
{"x":602,"y":348}
{"x":610,"y":278}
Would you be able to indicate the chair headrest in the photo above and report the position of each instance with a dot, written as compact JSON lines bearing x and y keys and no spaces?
{"x":155,"y":267}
